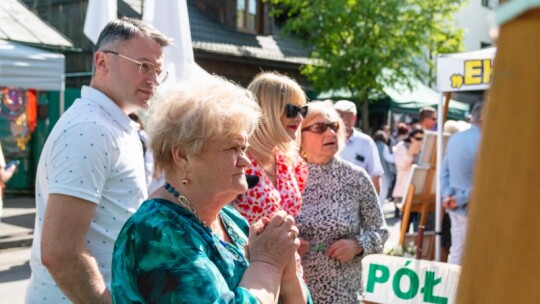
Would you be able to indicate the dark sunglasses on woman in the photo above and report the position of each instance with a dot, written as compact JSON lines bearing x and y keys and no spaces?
{"x":321,"y":127}
{"x":291,"y":111}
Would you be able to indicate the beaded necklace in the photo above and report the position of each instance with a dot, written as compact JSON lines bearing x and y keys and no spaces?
{"x":184,"y":202}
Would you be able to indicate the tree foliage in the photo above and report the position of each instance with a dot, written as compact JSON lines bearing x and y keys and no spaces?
{"x":356,"y":42}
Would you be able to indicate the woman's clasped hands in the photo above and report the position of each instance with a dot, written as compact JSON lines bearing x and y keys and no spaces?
{"x":273,"y":241}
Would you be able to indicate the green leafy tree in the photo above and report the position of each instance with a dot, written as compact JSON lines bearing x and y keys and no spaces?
{"x":356,"y":43}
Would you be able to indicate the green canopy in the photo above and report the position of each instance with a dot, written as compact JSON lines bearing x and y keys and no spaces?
{"x":405,"y":100}
{"x":420,"y":95}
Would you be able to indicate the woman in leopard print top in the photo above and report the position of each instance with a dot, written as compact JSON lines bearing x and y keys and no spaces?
{"x":341,"y":220}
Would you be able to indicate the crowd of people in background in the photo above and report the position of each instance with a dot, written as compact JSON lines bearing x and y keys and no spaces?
{"x":297,"y":234}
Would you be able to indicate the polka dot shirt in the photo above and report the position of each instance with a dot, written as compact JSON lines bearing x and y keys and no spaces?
{"x":92,"y":153}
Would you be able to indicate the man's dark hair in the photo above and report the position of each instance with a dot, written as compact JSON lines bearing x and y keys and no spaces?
{"x":380,"y":136}
{"x":125,"y":29}
{"x":413,"y":133}
{"x":426,"y":112}
{"x":402,"y":129}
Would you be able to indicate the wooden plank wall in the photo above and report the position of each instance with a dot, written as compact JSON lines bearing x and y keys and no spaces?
{"x":501,"y":262}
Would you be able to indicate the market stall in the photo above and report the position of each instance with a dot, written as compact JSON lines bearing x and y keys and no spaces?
{"x":25,"y":73}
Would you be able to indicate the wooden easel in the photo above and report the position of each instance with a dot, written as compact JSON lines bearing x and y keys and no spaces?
{"x":415,"y":201}
{"x":422,"y":201}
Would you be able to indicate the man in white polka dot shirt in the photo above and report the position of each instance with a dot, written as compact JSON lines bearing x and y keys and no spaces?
{"x":90,"y":176}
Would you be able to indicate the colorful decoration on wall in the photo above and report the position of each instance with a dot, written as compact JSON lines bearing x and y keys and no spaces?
{"x":31,"y":109}
{"x":19,"y":129}
{"x":20,"y":108}
{"x":13,"y":103}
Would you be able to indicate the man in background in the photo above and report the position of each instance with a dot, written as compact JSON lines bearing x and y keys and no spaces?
{"x":428,"y":118}
{"x":360,"y":149}
{"x":456,"y":180}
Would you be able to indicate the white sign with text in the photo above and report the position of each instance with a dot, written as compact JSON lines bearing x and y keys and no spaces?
{"x":396,"y":280}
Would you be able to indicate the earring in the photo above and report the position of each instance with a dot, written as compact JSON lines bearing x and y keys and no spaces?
{"x":185,"y":180}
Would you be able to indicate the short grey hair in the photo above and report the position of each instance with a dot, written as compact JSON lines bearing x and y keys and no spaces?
{"x":476,"y":113}
{"x":345,"y":106}
{"x":196,"y":112}
{"x":126,"y":28}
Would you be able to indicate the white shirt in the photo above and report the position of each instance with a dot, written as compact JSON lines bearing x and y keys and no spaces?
{"x":93,"y":153}
{"x":361,"y":150}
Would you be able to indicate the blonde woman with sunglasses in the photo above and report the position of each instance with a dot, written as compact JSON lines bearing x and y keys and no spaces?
{"x":272,"y":149}
{"x":341,"y":219}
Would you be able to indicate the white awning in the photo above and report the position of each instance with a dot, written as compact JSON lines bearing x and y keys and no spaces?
{"x":27,"y":67}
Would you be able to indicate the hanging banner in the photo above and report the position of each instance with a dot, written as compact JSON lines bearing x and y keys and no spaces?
{"x":172,"y":19}
{"x":469,"y":71}
{"x":31,"y":109}
{"x":98,"y":14}
{"x":397,"y":280}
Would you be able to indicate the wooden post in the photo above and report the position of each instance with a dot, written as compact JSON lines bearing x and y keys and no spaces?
{"x":420,"y":242}
{"x":501,"y":261}
{"x":406,"y":214}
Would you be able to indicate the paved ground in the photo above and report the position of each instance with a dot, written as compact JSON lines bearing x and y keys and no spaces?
{"x":14,"y":274}
{"x":17,"y":226}
{"x":16,"y":231}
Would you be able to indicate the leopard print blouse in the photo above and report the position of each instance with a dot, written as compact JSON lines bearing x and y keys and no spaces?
{"x":339,"y":202}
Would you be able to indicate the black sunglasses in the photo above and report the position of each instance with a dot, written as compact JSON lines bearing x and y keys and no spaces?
{"x":321,"y":127}
{"x":291,"y":111}
{"x":418,"y":138}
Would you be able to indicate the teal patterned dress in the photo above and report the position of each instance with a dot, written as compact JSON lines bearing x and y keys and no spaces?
{"x":164,"y":254}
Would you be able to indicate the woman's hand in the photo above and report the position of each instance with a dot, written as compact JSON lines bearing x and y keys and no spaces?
{"x":274,"y":243}
{"x":304,"y":246}
{"x":272,"y":246}
{"x":291,"y":290}
{"x":256,"y":229}
{"x":289,"y":273}
{"x":415,"y":147}
{"x":344,"y":250}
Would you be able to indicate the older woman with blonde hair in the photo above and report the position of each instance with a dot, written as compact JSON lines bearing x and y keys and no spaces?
{"x":272,"y":151}
{"x":185,"y":244}
{"x":341,"y":217}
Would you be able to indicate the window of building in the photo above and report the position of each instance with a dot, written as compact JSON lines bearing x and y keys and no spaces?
{"x":247,"y":17}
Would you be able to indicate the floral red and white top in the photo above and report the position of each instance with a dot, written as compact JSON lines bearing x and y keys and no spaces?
{"x":265,"y":199}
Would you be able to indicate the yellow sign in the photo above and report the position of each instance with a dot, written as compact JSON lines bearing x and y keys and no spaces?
{"x":476,"y":72}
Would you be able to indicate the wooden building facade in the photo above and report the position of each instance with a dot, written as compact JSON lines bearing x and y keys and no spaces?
{"x":233,"y":38}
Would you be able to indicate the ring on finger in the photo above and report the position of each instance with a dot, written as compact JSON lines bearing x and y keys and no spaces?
{"x":294,"y":235}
